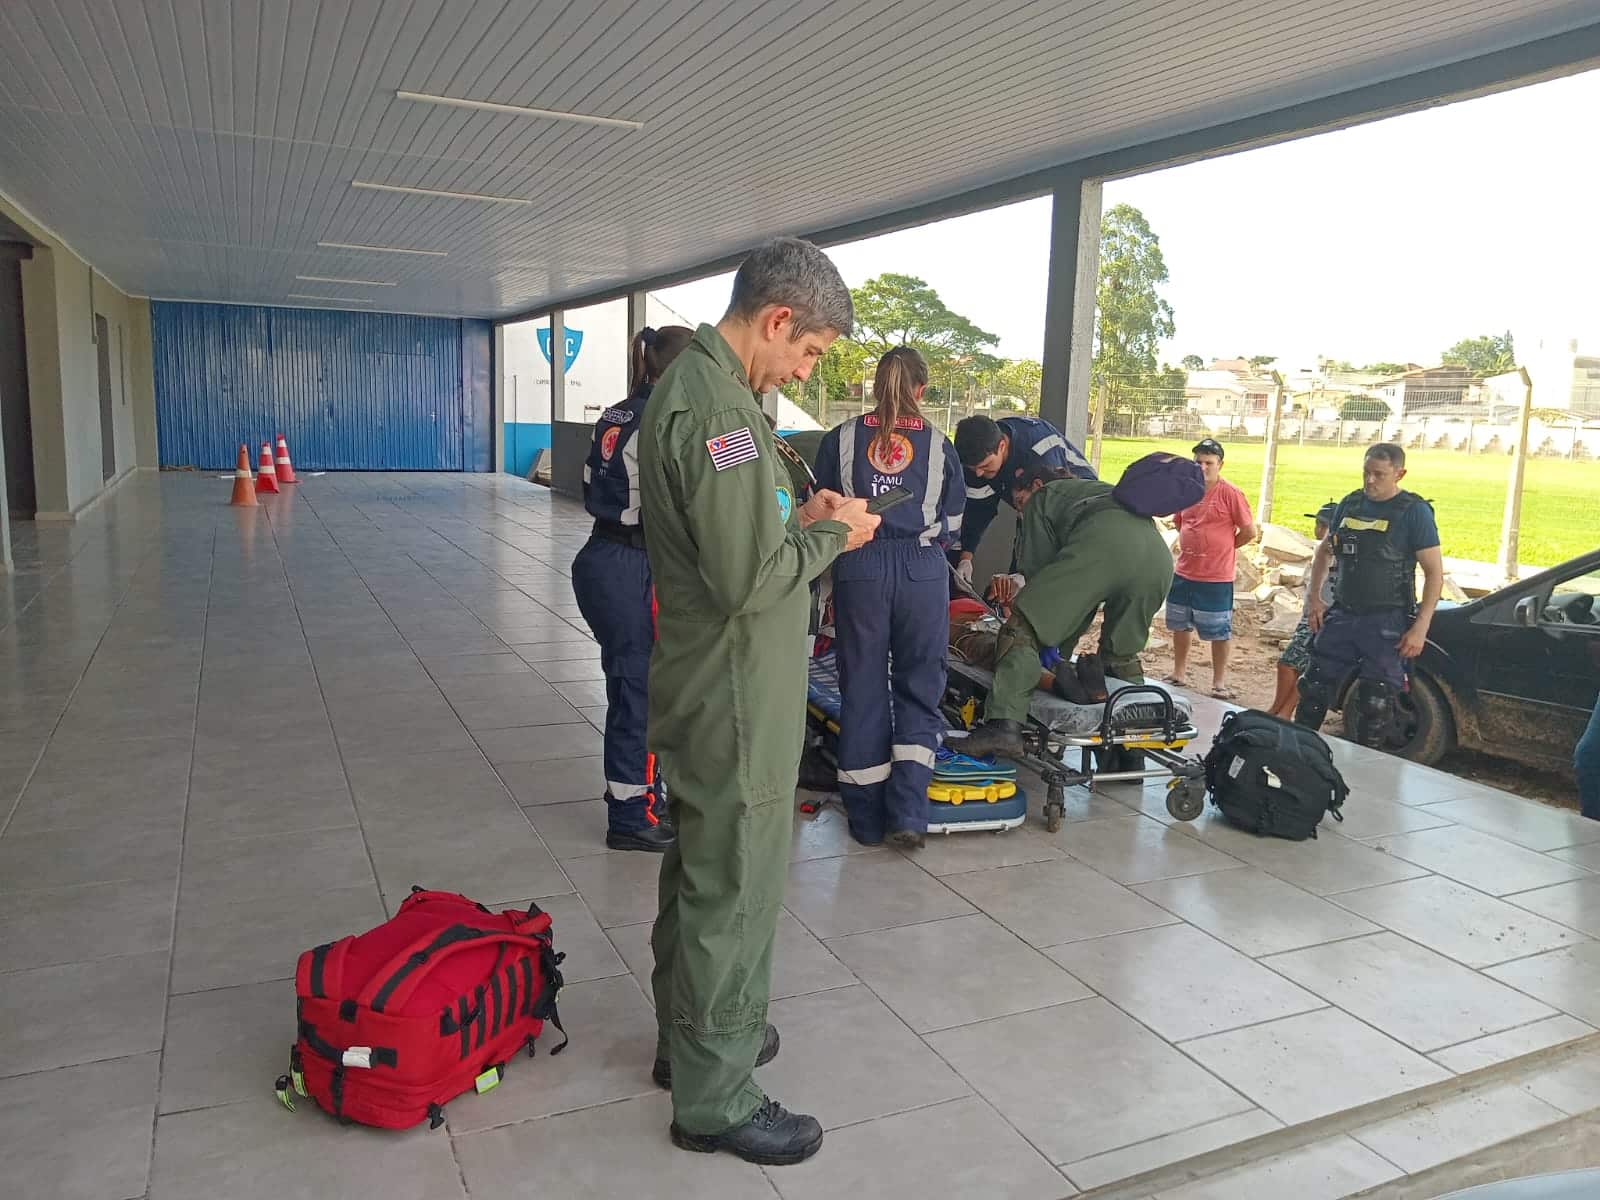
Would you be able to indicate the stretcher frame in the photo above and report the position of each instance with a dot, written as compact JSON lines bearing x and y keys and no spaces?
{"x":1045,"y":750}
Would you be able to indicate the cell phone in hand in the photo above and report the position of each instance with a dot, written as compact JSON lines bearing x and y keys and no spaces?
{"x":884,"y":501}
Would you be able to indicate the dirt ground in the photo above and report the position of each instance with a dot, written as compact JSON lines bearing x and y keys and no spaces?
{"x":1252,"y":673}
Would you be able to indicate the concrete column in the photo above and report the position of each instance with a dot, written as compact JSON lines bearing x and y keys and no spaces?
{"x":1070,"y":307}
{"x":142,"y":385}
{"x":501,"y":399}
{"x":42,"y":331}
{"x":558,"y":367}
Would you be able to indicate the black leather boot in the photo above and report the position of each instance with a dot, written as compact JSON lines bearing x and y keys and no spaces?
{"x":662,"y":1071}
{"x":1092,"y":676}
{"x":1068,"y":686}
{"x":992,"y":737}
{"x":772,"y":1137}
{"x":653,"y":838}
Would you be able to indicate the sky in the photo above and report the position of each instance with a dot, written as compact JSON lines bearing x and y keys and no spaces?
{"x":1386,"y":242}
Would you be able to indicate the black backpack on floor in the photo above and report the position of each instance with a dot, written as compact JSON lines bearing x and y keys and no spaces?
{"x":1273,"y":777}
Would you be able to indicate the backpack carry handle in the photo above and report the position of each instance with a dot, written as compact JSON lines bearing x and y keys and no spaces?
{"x":402,"y":974}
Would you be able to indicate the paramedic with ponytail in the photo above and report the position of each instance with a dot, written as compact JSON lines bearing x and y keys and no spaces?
{"x":611,"y":579}
{"x":891,"y":603}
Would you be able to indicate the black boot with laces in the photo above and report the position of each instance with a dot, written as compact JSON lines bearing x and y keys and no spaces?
{"x":772,"y":1137}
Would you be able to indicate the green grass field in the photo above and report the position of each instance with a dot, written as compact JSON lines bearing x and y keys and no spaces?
{"x":1560,"y":499}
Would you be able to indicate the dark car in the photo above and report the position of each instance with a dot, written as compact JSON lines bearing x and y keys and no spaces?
{"x":1514,"y":673}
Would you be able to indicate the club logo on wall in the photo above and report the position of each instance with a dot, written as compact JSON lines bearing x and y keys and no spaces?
{"x":574,"y":344}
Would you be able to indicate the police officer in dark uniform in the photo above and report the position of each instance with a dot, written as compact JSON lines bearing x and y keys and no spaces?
{"x":1379,"y":536}
{"x":995,"y":454}
{"x":891,"y":598}
{"x":611,"y":579}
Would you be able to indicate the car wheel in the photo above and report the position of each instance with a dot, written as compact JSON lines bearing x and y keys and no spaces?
{"x":1425,"y":730}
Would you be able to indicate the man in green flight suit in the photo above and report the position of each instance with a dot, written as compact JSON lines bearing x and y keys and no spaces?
{"x":733,"y":554}
{"x":1077,"y":549}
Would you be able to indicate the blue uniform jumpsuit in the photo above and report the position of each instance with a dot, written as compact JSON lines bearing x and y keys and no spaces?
{"x":891,"y":599}
{"x":1031,"y":441}
{"x":611,"y":579}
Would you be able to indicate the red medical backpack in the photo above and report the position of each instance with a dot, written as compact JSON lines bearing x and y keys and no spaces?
{"x":397,"y":1021}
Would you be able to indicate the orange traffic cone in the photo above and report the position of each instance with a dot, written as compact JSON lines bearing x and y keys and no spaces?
{"x":244,"y":492}
{"x":266,"y":474}
{"x":285,"y":467}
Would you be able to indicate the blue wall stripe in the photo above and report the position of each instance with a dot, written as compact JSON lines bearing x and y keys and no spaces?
{"x":351,"y":391}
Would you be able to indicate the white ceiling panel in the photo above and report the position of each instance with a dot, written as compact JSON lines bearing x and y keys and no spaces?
{"x":200,"y":149}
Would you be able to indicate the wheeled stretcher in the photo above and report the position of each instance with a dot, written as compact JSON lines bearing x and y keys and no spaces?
{"x":1139,"y":732}
{"x":965,"y":795}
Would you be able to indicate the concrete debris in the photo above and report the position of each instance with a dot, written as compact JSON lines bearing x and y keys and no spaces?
{"x":1281,"y":544}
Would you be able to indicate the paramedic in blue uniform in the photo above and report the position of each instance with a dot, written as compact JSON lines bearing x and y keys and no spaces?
{"x":611,"y":579}
{"x":891,"y":603}
{"x":995,"y":454}
{"x":1379,"y":536}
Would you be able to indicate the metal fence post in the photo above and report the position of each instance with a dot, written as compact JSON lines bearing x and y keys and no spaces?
{"x":1099,"y":427}
{"x":1519,"y":461}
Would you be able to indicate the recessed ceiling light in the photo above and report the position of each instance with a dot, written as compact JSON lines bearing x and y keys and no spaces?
{"x":519,"y":110}
{"x":333,"y":299}
{"x":356,"y":282}
{"x":382,"y":249}
{"x":437,"y":193}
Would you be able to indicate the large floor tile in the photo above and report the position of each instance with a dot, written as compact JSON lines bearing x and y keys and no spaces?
{"x":1323,"y":865}
{"x":1135,"y":849}
{"x":1566,"y":979}
{"x":1101,"y":1169}
{"x":1310,"y":1066}
{"x":1464,"y":924}
{"x":1456,"y":1126}
{"x":217,"y":815}
{"x":542,"y":743}
{"x":252,"y":868}
{"x":1522,"y":822}
{"x":613,"y":1034}
{"x":1254,"y":912}
{"x":76,"y":924}
{"x":1369,"y":815}
{"x":555,"y":780}
{"x":1513,"y":1043}
{"x":856,"y":893}
{"x":88,"y":854}
{"x":82,"y":1133}
{"x":826,"y":834}
{"x":589,"y":953}
{"x":1575,"y":905}
{"x":951,"y":854}
{"x":1181,"y":982}
{"x":112,"y":801}
{"x":493,"y":856}
{"x":1048,"y":903}
{"x":620,"y":889}
{"x":1414,"y":995}
{"x":1082,"y":1079}
{"x":502,"y":713}
{"x":571,"y":671}
{"x":600,"y":1154}
{"x":573,"y":830}
{"x":1325,"y":1170}
{"x":951,"y":1151}
{"x":1571,"y":1084}
{"x":923,"y":972}
{"x":224,"y":944}
{"x":846,"y":1058}
{"x":224,"y":1045}
{"x":81,"y":1012}
{"x":1479,"y":860}
{"x":254,"y":1149}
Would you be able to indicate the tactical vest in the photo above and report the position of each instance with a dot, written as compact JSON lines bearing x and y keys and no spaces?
{"x":914,"y":458}
{"x":610,"y":474}
{"x":1375,"y":571}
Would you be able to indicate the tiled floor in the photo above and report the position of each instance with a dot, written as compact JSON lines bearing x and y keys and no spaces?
{"x":227,"y":735}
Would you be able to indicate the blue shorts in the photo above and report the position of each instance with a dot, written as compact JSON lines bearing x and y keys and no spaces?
{"x":1205,"y":608}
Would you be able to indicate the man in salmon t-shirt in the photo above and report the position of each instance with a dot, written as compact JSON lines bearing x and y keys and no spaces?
{"x":1201,"y":600}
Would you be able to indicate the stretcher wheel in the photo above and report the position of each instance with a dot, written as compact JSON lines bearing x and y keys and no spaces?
{"x":1186,"y":799}
{"x":1055,"y":808}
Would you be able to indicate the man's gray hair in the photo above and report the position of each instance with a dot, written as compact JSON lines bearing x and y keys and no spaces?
{"x":797,"y":275}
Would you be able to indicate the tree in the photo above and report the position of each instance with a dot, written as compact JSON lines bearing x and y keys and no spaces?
{"x":1193,"y":362}
{"x":1385,"y":368}
{"x":1262,"y":360}
{"x":1364,"y":408}
{"x":1131,"y":318}
{"x":1485,"y":355}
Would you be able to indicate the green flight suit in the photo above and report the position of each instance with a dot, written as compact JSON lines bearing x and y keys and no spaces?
{"x":726,"y":721}
{"x":1078,"y":549}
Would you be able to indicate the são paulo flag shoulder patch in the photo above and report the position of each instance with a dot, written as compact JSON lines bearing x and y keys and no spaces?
{"x":732,"y":448}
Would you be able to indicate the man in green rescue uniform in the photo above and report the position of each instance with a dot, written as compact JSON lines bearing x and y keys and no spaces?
{"x":733,"y":555}
{"x":1077,"y":549}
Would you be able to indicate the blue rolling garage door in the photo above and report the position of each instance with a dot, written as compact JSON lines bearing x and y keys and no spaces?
{"x":351,"y":391}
